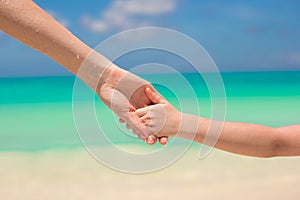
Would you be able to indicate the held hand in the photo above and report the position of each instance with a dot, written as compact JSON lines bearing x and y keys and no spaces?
{"x":160,"y":118}
{"x":124,"y":92}
{"x":117,"y":97}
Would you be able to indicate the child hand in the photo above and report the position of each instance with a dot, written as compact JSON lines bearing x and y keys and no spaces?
{"x":161,"y":119}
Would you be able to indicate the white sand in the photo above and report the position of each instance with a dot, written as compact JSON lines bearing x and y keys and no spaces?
{"x":74,"y":174}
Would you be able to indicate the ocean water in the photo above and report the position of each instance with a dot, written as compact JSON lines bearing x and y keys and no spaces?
{"x":36,"y":113}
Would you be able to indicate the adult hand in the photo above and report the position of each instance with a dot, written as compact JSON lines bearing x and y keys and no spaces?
{"x":124,"y":92}
{"x":31,"y":25}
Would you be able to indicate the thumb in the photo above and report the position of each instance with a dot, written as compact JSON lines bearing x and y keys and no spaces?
{"x":154,"y":96}
{"x":131,"y":108}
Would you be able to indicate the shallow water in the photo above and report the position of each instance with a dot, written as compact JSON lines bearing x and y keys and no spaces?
{"x":36,"y":113}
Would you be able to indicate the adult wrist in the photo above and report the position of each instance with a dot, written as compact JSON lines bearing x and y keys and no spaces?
{"x":95,"y":70}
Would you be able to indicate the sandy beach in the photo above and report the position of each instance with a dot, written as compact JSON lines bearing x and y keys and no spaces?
{"x":74,"y":174}
{"x":41,"y":156}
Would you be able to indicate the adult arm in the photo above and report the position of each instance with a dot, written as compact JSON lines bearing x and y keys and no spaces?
{"x":31,"y":25}
{"x":28,"y":23}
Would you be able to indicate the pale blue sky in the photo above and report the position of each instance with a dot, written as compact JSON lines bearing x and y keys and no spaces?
{"x":239,"y":35}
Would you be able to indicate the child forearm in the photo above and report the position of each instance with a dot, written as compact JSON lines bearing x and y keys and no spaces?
{"x":252,"y":139}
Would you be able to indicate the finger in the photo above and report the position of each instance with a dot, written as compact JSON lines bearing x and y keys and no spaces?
{"x":142,"y":111}
{"x":128,"y":127}
{"x":120,"y":105}
{"x":131,"y":108}
{"x":147,"y":122}
{"x":145,"y":118}
{"x":141,"y":137}
{"x":154,"y":96}
{"x":151,"y":139}
{"x":138,"y":133}
{"x":163,"y":140}
{"x":138,"y":127}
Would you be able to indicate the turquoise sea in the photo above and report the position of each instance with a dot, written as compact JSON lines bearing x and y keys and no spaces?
{"x":36,"y":112}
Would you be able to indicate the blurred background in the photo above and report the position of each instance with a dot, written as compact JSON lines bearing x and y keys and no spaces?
{"x":239,"y":35}
{"x":256,"y":46}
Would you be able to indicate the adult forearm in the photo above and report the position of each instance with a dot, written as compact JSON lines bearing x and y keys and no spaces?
{"x":28,"y":23}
